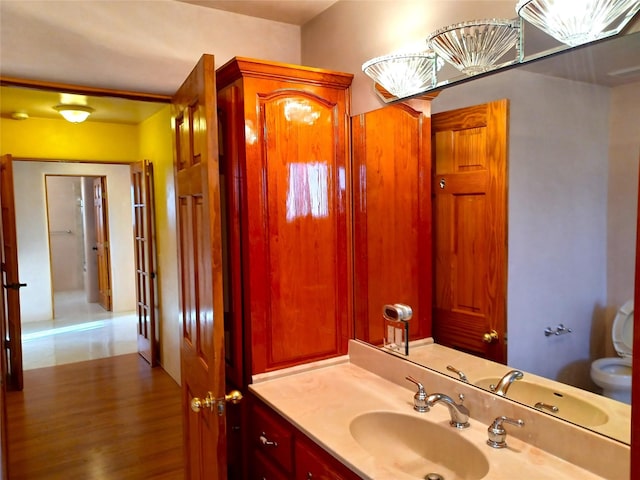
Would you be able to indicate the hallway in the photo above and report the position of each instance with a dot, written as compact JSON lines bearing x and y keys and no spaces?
{"x":81,"y":331}
{"x":107,"y":419}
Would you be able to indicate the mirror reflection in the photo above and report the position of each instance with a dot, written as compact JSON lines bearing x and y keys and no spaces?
{"x":571,"y":200}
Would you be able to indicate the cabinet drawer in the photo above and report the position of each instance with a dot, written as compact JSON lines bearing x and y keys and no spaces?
{"x":313,"y":463}
{"x":263,"y":469}
{"x":273,"y":437}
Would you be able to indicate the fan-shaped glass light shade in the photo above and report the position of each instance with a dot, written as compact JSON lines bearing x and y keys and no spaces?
{"x":575,"y":22}
{"x":74,"y":113}
{"x":403,"y":74}
{"x":475,"y":46}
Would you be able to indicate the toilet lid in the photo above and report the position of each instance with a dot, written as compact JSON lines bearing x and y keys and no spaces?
{"x":622,"y":331}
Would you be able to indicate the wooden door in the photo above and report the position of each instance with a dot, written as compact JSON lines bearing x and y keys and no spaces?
{"x":200,"y":273}
{"x":4,"y":440}
{"x":145,"y":259}
{"x":470,"y":227}
{"x":392,"y":217}
{"x":10,"y":282}
{"x":102,"y":242}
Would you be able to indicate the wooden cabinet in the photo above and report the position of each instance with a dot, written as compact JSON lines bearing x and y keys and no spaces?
{"x":285,"y":167}
{"x":392,"y":216}
{"x":280,"y":451}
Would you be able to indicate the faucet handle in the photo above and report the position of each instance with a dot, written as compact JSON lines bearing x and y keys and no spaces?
{"x":420,"y":398}
{"x":497,"y":433}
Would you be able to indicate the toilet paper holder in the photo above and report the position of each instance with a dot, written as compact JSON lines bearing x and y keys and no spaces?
{"x":559,"y":330}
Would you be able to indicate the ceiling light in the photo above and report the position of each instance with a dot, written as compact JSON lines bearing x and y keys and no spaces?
{"x":19,"y":115}
{"x":576,"y":22}
{"x":74,"y":113}
{"x":475,"y":46}
{"x":404,"y":74}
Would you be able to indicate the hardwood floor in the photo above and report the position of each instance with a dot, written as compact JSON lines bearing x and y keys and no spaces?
{"x":112,"y":418}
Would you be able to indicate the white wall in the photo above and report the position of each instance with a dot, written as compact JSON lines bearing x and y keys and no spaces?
{"x":33,"y":247}
{"x":350,"y":32}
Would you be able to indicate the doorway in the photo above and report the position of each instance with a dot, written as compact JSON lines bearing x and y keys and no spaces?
{"x":62,"y":320}
{"x":72,"y":242}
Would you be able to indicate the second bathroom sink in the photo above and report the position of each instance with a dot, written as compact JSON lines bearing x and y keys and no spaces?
{"x":569,"y":407}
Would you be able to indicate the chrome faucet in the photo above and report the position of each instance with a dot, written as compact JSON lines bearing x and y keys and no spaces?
{"x":505,"y":382}
{"x":420,"y":398}
{"x":459,"y":413}
{"x":460,"y":373}
{"x":497,"y":433}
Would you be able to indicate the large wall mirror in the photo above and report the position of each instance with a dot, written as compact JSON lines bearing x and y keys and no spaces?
{"x":574,"y":149}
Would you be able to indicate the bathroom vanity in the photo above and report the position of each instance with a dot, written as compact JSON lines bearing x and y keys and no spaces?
{"x":358,"y":411}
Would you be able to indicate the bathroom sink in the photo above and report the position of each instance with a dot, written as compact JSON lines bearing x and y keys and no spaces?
{"x":570,"y":408}
{"x":419,"y":447}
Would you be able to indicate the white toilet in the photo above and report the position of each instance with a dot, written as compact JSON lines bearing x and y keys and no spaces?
{"x":613,"y":374}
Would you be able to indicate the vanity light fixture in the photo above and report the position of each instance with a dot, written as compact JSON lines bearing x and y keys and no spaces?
{"x":404,"y":74}
{"x":475,"y":46}
{"x":576,"y":22}
{"x":74,"y":113}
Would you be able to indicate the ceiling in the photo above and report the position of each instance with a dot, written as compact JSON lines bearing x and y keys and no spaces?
{"x":296,"y":12}
{"x":40,"y":103}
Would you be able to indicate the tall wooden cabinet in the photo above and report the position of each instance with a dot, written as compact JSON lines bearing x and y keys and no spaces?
{"x":392,"y":216}
{"x":285,"y":165}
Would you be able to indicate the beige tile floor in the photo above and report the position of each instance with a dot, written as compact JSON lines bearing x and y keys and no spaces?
{"x":80,"y":331}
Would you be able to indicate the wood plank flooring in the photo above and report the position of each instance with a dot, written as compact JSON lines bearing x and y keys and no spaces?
{"x":108,"y":419}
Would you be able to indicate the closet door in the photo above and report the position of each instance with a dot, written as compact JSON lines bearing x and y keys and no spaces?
{"x":297,"y":192}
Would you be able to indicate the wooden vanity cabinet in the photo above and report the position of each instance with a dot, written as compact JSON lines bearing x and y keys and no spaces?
{"x":279,"y":451}
{"x":284,"y":154}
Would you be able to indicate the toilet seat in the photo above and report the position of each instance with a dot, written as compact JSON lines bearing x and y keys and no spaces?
{"x":622,"y":330}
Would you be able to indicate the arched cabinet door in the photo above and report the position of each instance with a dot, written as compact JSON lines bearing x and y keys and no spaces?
{"x":286,"y":154}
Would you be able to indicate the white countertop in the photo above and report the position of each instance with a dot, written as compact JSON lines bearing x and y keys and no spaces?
{"x":322,"y":403}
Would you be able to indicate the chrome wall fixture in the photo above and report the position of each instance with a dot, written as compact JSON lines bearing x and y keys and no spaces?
{"x":559,"y":330}
{"x":479,"y":46}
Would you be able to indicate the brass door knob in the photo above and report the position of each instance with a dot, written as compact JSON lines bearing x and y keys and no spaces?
{"x":198,"y":404}
{"x":210,"y":402}
{"x":490,"y":337}
{"x":234,"y":397}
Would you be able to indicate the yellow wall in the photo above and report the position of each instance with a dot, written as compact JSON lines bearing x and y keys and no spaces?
{"x":156,"y":145}
{"x":52,"y":139}
{"x":47,"y":138}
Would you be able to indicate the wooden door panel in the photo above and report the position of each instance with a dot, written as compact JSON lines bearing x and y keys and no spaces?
{"x":469,"y":212}
{"x":102,"y":242}
{"x":10,"y":281}
{"x":145,"y":260}
{"x":200,"y":272}
{"x":4,"y":438}
{"x":303,"y":217}
{"x":297,"y":235}
{"x":392,"y":217}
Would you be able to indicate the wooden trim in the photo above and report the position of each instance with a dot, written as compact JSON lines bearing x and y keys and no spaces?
{"x":283,"y":72}
{"x":92,"y":162}
{"x":83,"y":90}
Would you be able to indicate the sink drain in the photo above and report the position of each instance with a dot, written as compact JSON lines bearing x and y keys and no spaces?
{"x":433,"y":476}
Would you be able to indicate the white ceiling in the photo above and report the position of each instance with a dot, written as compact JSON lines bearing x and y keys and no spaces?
{"x":39,"y":103}
{"x":296,"y":12}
